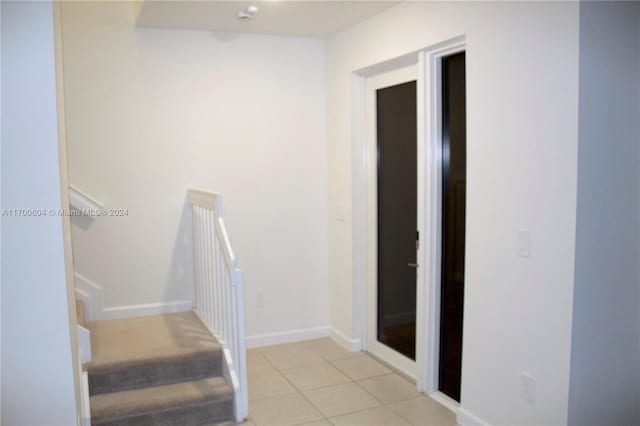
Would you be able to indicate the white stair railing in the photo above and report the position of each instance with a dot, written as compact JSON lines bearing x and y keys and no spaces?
{"x":219,"y":293}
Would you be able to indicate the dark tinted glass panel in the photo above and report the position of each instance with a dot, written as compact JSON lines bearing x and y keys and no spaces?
{"x":397,"y":217}
{"x":454,"y":179}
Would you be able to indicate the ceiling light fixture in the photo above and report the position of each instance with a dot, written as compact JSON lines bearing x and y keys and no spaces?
{"x":248,"y":13}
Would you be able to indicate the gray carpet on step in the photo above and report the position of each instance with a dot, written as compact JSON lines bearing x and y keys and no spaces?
{"x":156,"y":370}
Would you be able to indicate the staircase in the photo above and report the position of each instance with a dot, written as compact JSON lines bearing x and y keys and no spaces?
{"x":157,"y":370}
{"x":185,"y":368}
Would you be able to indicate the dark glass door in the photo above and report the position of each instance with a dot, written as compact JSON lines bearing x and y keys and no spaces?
{"x":454,"y":178}
{"x":397,"y":217}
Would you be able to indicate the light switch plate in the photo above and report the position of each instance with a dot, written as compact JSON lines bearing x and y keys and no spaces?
{"x":527,"y":388}
{"x":523,"y":243}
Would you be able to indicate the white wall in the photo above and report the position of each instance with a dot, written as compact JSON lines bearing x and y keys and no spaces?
{"x":522,"y":112}
{"x":37,"y":360}
{"x":605,"y":370}
{"x":152,"y":112}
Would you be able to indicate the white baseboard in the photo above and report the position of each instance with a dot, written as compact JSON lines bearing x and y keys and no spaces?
{"x":269,"y":339}
{"x":146,"y":309}
{"x":352,"y":345}
{"x":84,"y":343}
{"x":445,"y":400}
{"x":91,"y":294}
{"x":466,"y":418}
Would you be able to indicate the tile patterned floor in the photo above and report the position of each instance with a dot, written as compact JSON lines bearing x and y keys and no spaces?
{"x":317,"y":382}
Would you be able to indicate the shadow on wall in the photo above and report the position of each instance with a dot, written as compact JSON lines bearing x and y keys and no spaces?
{"x":181,"y":270}
{"x":82,"y":222}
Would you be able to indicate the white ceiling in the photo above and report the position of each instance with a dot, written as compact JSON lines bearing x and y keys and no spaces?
{"x":305,"y":18}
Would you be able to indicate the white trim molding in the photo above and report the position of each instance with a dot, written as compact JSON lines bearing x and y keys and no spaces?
{"x":430,"y":210}
{"x":352,"y":345}
{"x":268,"y":339}
{"x":91,"y":294}
{"x":359,"y":191}
{"x":85,"y":409}
{"x":81,"y":201}
{"x":466,"y":418}
{"x":84,"y":343}
{"x":445,"y":400}
{"x":359,"y":224}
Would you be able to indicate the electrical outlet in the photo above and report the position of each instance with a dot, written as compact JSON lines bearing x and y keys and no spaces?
{"x":527,"y":388}
{"x":260,"y":299}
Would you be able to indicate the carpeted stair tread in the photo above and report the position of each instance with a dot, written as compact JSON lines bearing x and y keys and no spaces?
{"x":187,"y":403}
{"x":151,"y":351}
{"x":134,"y":340}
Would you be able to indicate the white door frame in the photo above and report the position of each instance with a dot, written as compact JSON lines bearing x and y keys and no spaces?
{"x":375,"y":82}
{"x":430,"y":217}
{"x":429,"y":205}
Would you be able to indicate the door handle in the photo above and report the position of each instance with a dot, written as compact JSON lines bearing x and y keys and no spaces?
{"x":413,"y":265}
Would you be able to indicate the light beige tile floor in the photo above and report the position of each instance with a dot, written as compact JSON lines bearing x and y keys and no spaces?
{"x":318,"y":383}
